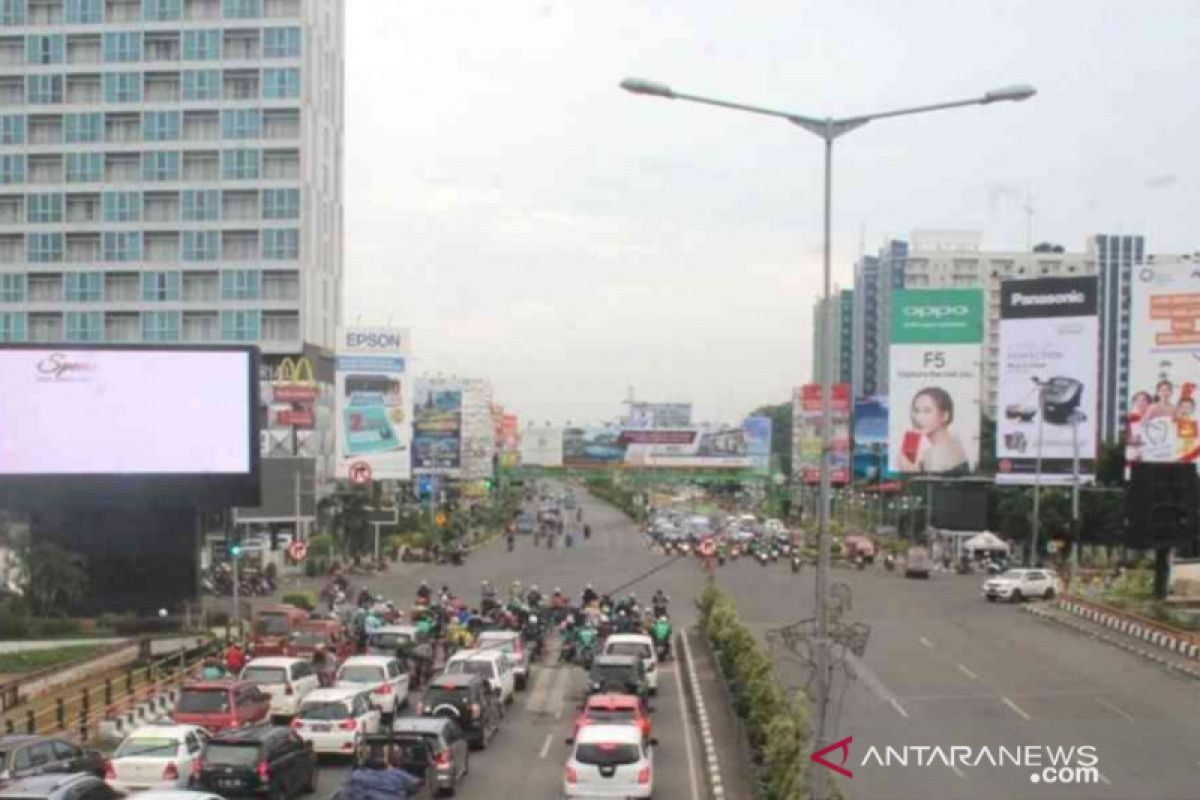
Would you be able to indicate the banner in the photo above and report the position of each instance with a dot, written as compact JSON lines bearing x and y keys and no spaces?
{"x":541,"y":447}
{"x":1164,"y":362}
{"x":870,"y":439}
{"x":659,"y":415}
{"x":933,"y":421}
{"x":806,"y":430}
{"x":373,"y":403}
{"x":1049,"y":366}
{"x":437,"y":427}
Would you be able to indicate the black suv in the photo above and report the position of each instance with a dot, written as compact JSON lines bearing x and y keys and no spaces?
{"x":80,"y":786}
{"x":468,"y":700}
{"x":262,"y":760}
{"x":432,"y":743}
{"x":23,"y":755}
{"x":619,"y":675}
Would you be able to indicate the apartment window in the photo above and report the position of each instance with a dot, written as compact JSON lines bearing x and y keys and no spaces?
{"x":44,"y":49}
{"x":12,"y":288}
{"x":84,"y":287}
{"x":12,"y":12}
{"x":241,"y":164}
{"x":122,"y":87}
{"x":241,"y":9}
{"x":281,"y":83}
{"x":84,"y":326}
{"x":281,"y":203}
{"x":83,"y":128}
{"x":84,"y":12}
{"x":45,"y":89}
{"x":85,"y":167}
{"x":201,"y":245}
{"x":240,"y":326}
{"x":12,"y":326}
{"x":160,"y":326}
{"x":241,"y":123}
{"x":122,"y":246}
{"x":281,"y":243}
{"x":12,"y":169}
{"x":202,"y":84}
{"x":44,"y":248}
{"x":281,"y":42}
{"x":202,"y":45}
{"x":160,"y":165}
{"x":201,"y":205}
{"x":241,"y":284}
{"x":160,"y":287}
{"x":122,"y":206}
{"x":161,"y":126}
{"x":161,"y":10}
{"x":123,"y":46}
{"x":12,"y":129}
{"x":44,"y":208}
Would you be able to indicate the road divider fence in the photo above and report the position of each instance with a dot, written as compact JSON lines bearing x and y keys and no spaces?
{"x":1177,"y":641}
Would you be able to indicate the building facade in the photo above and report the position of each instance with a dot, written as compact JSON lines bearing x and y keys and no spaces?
{"x":875,"y":277}
{"x":1115,"y":257}
{"x":843,"y":341}
{"x":171,"y":171}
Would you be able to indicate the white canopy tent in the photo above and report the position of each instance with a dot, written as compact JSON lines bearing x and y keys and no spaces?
{"x":985,"y":541}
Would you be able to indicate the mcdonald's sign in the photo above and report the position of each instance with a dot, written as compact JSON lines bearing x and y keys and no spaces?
{"x":294,"y":381}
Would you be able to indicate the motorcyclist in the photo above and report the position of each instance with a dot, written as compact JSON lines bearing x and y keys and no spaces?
{"x":375,"y":779}
{"x":659,"y":603}
{"x":365,"y":598}
{"x":534,"y":597}
{"x":589,"y":595}
{"x":487,"y":595}
{"x":660,"y":631}
{"x":515,"y":592}
{"x":212,"y":669}
{"x":424,"y":593}
{"x":558,"y":599}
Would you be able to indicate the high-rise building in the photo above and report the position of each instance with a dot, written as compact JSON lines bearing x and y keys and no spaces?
{"x":171,"y":171}
{"x":1115,"y":258}
{"x":875,"y":277}
{"x":843,"y":343}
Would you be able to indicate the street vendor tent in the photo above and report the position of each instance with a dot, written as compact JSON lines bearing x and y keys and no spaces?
{"x":985,"y":541}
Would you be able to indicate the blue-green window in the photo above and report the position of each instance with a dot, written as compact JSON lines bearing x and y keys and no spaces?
{"x":241,"y":164}
{"x":44,"y":89}
{"x":85,"y":167}
{"x":281,"y":203}
{"x":84,"y":287}
{"x":201,"y":205}
{"x":12,"y":169}
{"x":44,"y":48}
{"x":84,"y":326}
{"x":202,"y":84}
{"x":281,"y":243}
{"x":161,"y":10}
{"x":123,"y":46}
{"x":12,"y":12}
{"x":122,"y":87}
{"x":44,"y":248}
{"x":80,"y":128}
{"x":12,"y":326}
{"x":201,"y":245}
{"x":241,"y":9}
{"x":281,"y":42}
{"x":160,"y":326}
{"x":44,"y":207}
{"x":161,"y":287}
{"x":12,"y":287}
{"x":240,"y":326}
{"x":160,"y":165}
{"x":241,"y":123}
{"x":122,"y":206}
{"x":12,"y":129}
{"x":160,"y":126}
{"x":281,"y":83}
{"x":122,"y":246}
{"x":84,"y":12}
{"x":241,"y":284}
{"x":202,"y":45}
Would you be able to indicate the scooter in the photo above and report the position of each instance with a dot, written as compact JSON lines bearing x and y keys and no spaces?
{"x":796,"y":564}
{"x":889,"y":563}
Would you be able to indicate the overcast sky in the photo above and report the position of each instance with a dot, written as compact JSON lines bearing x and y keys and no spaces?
{"x":538,"y":227}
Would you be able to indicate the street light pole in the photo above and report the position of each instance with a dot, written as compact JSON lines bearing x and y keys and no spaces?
{"x":1037,"y":478}
{"x":1074,"y":494}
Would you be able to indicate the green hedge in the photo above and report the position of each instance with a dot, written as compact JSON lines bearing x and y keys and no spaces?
{"x":619,"y":496}
{"x":305,"y":600}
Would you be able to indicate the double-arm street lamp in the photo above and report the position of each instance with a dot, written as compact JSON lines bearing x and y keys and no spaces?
{"x":828,"y":129}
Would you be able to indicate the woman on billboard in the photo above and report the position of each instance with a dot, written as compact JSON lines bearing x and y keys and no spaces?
{"x":931,"y":446}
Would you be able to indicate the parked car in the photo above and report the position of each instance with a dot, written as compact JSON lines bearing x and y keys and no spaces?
{"x":613,"y":709}
{"x":509,"y":643}
{"x":445,"y":742}
{"x":74,"y":786}
{"x":468,"y":700}
{"x":1022,"y":584}
{"x":381,"y":675}
{"x":609,"y":761}
{"x":156,"y":757}
{"x":25,"y":755}
{"x":287,"y":680}
{"x":260,"y":760}
{"x":217,"y":705}
{"x":489,"y":664}
{"x":639,"y":645}
{"x":335,"y":720}
{"x":618,"y":674}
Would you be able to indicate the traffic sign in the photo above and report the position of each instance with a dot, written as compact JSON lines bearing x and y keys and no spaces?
{"x":440,"y":520}
{"x":360,"y":473}
{"x":297,"y":550}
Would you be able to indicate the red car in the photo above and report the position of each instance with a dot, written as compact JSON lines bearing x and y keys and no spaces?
{"x":217,"y":705}
{"x":613,"y":709}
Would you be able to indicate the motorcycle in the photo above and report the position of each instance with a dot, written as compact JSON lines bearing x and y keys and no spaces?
{"x":796,"y":564}
{"x":762,"y":557}
{"x":587,"y":531}
{"x":889,"y":563}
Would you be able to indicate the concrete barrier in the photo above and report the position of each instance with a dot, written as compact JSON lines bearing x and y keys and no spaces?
{"x":1181,"y":642}
{"x":712,"y":764}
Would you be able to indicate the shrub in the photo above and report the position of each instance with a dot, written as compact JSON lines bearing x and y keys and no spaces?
{"x":14,"y":618}
{"x":305,"y":600}
{"x":320,"y":545}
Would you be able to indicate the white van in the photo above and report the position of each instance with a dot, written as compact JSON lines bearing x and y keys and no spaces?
{"x":640,"y":645}
{"x":286,"y":680}
{"x":491,"y":664}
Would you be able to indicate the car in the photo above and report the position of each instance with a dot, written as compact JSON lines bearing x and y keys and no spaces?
{"x":509,"y":643}
{"x":217,"y":705}
{"x":609,"y":761}
{"x":1022,"y":584}
{"x":59,"y":786}
{"x":381,"y":675}
{"x":917,"y":563}
{"x":321,"y":633}
{"x":613,"y":709}
{"x":287,"y":680}
{"x":24,"y":755}
{"x":640,"y":645}
{"x":469,"y":701}
{"x":620,"y":674}
{"x":492,"y":665}
{"x":526,"y":523}
{"x":155,"y":757}
{"x":334,"y":721}
{"x":443,"y":739}
{"x":413,"y":758}
{"x":176,"y":794}
{"x":389,"y":640}
{"x":268,"y":760}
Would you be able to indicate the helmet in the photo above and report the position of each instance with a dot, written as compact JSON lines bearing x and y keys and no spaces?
{"x":485,"y":583}
{"x":589,"y":586}
{"x":533,"y":587}
{"x":558,"y":590}
{"x":424,"y":585}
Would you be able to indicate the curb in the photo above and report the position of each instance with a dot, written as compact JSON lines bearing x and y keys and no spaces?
{"x":1183,"y":647}
{"x":710,"y":748}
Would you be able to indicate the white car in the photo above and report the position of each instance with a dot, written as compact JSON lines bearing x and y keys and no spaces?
{"x":1022,"y":584}
{"x":335,"y":720}
{"x":640,"y":645}
{"x":509,"y":643}
{"x":490,"y":664}
{"x":287,"y":680}
{"x":609,"y":761}
{"x":155,"y":757}
{"x":385,"y":640}
{"x":381,"y":675}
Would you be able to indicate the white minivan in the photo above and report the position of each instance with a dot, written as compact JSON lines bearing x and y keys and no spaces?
{"x":640,"y":645}
{"x":493,"y":665}
{"x":286,"y":680}
{"x":609,"y":761}
{"x":381,"y":675}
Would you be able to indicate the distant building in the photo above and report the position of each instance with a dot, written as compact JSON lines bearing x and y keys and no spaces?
{"x":1115,"y":258}
{"x":843,"y":341}
{"x":875,"y":277}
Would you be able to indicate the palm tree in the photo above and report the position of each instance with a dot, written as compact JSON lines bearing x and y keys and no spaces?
{"x":55,"y":580}
{"x":349,"y":521}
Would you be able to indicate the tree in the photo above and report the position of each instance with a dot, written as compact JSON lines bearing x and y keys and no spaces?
{"x":54,"y":580}
{"x":349,"y":521}
{"x":1110,"y":466}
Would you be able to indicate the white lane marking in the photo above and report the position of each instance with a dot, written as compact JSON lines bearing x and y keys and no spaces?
{"x":1107,"y":782}
{"x":896,"y":705}
{"x":872,"y":682}
{"x":954,"y":768}
{"x":687,"y":738}
{"x":1016,"y":708}
{"x":560,"y":692}
{"x":546,"y":746}
{"x":1118,"y":711}
{"x":926,"y":642}
{"x":967,"y":672}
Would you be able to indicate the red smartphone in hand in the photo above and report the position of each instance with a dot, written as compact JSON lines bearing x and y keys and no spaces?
{"x":912,"y":443}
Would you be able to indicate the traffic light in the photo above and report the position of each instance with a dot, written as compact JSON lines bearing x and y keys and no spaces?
{"x":235,"y":549}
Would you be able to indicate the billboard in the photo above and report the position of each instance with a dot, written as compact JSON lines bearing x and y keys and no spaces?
{"x":509,"y":440}
{"x":373,"y":391}
{"x":659,"y":415}
{"x":726,"y":447}
{"x":541,"y":446}
{"x":934,"y":374}
{"x":592,"y":446}
{"x":437,"y":427}
{"x":870,"y":438}
{"x":806,"y":429}
{"x":1164,"y":362}
{"x":114,"y":424}
{"x":477,"y":430}
{"x":757,"y":433}
{"x":1049,"y":366}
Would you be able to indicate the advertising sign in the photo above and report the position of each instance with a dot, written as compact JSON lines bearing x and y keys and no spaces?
{"x":870,"y":439}
{"x":716,"y":447}
{"x":477,"y":430}
{"x":592,"y":446}
{"x":806,"y":425}
{"x":541,"y":446}
{"x":933,"y":419}
{"x":659,"y":415}
{"x":437,"y":427}
{"x":757,"y":433}
{"x":373,"y":392}
{"x":1164,"y":362}
{"x":509,"y":440}
{"x":1048,"y":369}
